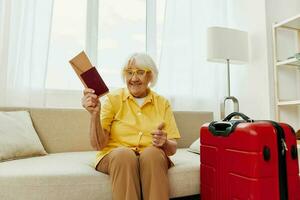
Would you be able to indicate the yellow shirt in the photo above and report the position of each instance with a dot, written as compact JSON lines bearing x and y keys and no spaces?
{"x":131,"y":125}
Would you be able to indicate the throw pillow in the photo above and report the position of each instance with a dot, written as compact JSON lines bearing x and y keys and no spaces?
{"x":18,"y":138}
{"x":195,"y":146}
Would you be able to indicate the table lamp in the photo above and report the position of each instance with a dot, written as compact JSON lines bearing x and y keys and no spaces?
{"x":227,"y":45}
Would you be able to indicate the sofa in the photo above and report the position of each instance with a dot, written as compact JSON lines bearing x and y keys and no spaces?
{"x":67,"y":172}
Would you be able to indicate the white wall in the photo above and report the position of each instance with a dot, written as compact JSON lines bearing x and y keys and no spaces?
{"x":250,"y":83}
{"x":276,"y":11}
{"x":253,"y":83}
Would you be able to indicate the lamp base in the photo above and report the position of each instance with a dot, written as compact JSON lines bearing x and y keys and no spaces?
{"x":235,"y":105}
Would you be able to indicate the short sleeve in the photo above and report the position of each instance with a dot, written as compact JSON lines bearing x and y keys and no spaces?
{"x":107,"y":114}
{"x":170,"y":123}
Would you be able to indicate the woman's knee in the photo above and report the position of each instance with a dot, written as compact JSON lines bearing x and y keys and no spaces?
{"x":123,"y":156}
{"x":152,"y":155}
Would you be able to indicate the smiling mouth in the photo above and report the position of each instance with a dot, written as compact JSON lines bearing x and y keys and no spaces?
{"x":135,"y":84}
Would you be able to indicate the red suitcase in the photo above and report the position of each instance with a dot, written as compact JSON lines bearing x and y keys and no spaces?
{"x":246,"y":159}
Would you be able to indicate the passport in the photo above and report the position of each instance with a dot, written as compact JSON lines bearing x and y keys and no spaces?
{"x":88,"y":74}
{"x":93,"y":80}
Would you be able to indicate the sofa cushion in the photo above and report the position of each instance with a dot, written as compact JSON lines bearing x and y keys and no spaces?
{"x":58,"y":138}
{"x":185,"y":176}
{"x":18,"y":138}
{"x":71,"y":176}
{"x":195,"y":146}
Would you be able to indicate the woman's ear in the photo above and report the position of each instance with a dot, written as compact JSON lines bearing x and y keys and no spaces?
{"x":150,"y":77}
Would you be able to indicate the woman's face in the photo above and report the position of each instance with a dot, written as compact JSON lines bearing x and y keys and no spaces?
{"x":137,"y":80}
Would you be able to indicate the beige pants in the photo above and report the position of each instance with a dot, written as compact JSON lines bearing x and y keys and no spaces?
{"x":130,"y":172}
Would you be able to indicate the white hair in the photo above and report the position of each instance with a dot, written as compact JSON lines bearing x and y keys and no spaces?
{"x":143,"y":60}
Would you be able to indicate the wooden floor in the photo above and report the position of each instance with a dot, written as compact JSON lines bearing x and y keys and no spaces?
{"x":194,"y":197}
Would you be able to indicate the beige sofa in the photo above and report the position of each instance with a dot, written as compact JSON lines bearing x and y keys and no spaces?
{"x":67,"y":171}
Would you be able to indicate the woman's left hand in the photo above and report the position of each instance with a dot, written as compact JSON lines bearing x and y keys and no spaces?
{"x":159,"y":137}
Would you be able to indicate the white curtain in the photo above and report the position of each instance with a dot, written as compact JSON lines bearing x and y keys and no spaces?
{"x":24,"y":40}
{"x":185,"y":77}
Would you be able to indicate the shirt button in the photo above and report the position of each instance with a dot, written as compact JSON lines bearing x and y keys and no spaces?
{"x":139,"y":113}
{"x":140,"y":133}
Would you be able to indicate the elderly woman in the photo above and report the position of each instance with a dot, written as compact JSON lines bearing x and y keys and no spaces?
{"x":135,"y":132}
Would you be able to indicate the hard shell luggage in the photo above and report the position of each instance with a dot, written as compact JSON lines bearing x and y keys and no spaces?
{"x":248,"y":160}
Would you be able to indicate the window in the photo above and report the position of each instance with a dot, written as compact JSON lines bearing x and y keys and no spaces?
{"x":160,"y":18}
{"x":67,"y":39}
{"x":122,"y":30}
{"x":108,"y":32}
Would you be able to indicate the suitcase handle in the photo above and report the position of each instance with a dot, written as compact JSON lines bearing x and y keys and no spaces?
{"x":220,"y":128}
{"x":225,"y":127}
{"x":233,"y":114}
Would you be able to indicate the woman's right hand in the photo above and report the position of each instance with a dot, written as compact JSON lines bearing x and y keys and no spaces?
{"x":90,"y":101}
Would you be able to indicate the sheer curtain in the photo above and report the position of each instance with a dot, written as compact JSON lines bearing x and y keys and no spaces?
{"x":185,"y":77}
{"x":24,"y":41}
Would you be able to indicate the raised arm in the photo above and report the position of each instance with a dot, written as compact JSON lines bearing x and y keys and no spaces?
{"x":98,"y":137}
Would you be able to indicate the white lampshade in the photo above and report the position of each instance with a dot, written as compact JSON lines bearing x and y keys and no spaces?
{"x":225,"y":43}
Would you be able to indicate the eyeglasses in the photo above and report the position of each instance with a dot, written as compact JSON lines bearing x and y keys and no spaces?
{"x":129,"y":73}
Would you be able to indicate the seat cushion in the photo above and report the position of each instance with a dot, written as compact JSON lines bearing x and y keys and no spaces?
{"x":72,"y":176}
{"x":184,"y":177}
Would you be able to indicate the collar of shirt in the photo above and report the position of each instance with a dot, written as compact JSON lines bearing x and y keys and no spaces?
{"x":148,"y":99}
